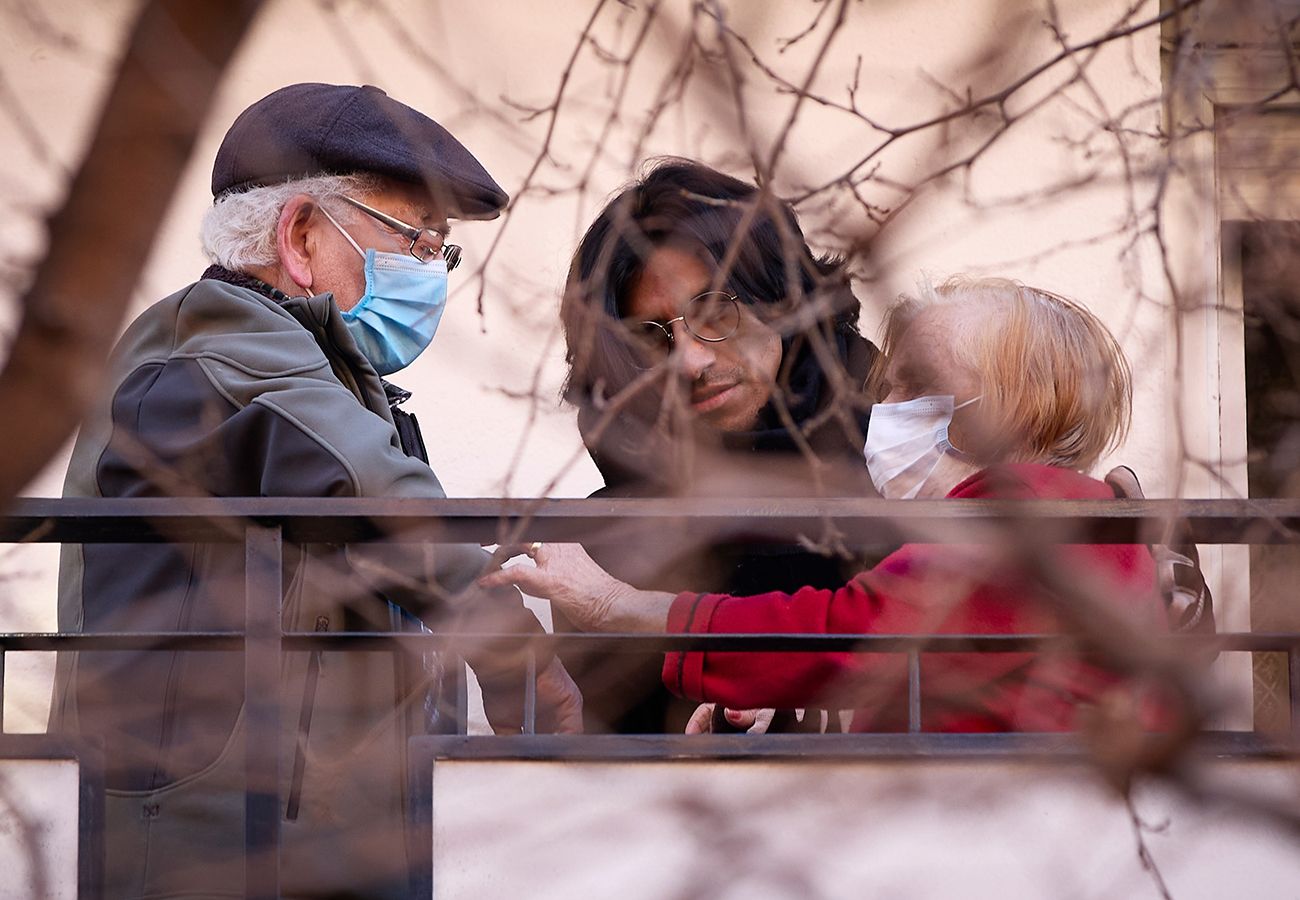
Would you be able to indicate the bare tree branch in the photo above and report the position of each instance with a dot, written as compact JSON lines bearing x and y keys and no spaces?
{"x":100,"y":237}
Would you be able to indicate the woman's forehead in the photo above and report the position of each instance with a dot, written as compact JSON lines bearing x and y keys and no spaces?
{"x":926,"y":350}
{"x":930,"y":332}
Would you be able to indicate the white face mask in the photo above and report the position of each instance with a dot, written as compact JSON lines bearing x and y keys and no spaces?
{"x":907,"y":441}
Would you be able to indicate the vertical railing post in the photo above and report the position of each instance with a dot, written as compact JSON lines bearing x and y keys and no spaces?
{"x":462,"y":694}
{"x":530,"y":693}
{"x":914,"y":691}
{"x":262,"y":648}
{"x":1293,"y":678}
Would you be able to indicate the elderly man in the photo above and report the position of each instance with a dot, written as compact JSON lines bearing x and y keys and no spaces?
{"x":264,"y":378}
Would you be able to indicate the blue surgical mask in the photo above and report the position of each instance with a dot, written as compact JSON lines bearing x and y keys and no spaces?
{"x":397,"y":316}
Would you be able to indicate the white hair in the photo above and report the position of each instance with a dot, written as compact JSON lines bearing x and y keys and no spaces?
{"x":239,"y":230}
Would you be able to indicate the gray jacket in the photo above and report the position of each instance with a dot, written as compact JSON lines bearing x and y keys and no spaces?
{"x":235,"y":390}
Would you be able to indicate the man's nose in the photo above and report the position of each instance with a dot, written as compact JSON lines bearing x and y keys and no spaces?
{"x":691,"y":355}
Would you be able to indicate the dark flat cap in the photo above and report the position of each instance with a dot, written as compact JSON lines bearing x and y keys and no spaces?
{"x":335,"y":129}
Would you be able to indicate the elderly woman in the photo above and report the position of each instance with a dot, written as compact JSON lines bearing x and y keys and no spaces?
{"x":991,"y":390}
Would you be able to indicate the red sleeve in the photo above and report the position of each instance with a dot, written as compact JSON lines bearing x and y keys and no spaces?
{"x":785,"y":679}
{"x":920,"y":589}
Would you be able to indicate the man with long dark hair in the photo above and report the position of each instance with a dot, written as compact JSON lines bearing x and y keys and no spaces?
{"x":711,"y":353}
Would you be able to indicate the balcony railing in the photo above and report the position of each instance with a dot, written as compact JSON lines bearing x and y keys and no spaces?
{"x":263,"y":525}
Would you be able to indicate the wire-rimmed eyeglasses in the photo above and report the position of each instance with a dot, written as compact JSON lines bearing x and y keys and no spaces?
{"x":712,"y":316}
{"x":426,"y":243}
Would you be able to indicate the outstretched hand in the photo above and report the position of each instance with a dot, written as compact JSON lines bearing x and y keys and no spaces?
{"x":559,"y":702}
{"x":593,"y":599}
{"x":566,"y":576}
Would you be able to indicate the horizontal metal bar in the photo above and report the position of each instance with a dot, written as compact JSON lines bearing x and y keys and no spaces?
{"x":867,"y":521}
{"x":813,"y":747}
{"x":205,"y":641}
{"x":623,"y":643}
{"x":862,"y":643}
{"x":659,"y":643}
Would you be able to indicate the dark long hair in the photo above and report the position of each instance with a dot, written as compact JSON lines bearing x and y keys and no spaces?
{"x":718,"y":217}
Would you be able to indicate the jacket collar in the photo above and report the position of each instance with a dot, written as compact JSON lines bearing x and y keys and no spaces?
{"x":243,"y":280}
{"x":320,"y":316}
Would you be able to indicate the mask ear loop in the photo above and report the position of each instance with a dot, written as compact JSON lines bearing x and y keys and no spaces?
{"x":946,"y":445}
{"x":355,"y":245}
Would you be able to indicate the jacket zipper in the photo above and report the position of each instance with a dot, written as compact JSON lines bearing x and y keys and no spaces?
{"x":159,"y":779}
{"x":304,"y":727}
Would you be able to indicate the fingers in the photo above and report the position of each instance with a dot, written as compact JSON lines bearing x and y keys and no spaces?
{"x":701,"y":721}
{"x":569,"y":720}
{"x":753,"y":721}
{"x":510,"y":551}
{"x":504,"y":577}
{"x":534,"y":580}
{"x":762,"y":721}
{"x":523,"y":577}
{"x":740,"y":719}
{"x":558,"y":692}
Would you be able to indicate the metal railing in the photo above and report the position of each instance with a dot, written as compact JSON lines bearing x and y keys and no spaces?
{"x":263,"y":525}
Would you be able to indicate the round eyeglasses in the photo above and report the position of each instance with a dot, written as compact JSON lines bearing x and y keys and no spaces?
{"x":712,"y":316}
{"x":426,"y":243}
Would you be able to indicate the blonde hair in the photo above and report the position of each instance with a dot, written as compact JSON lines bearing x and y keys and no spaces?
{"x":1054,"y":379}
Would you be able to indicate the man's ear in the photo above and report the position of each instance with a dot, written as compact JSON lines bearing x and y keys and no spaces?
{"x":293,"y":242}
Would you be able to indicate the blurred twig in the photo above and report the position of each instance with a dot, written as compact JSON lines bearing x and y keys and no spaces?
{"x":100,"y":236}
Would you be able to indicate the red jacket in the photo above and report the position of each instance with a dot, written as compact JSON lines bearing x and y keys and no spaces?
{"x":925,"y":589}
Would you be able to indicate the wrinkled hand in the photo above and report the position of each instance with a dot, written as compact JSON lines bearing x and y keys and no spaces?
{"x":559,"y":702}
{"x":750,"y":721}
{"x":570,"y":579}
